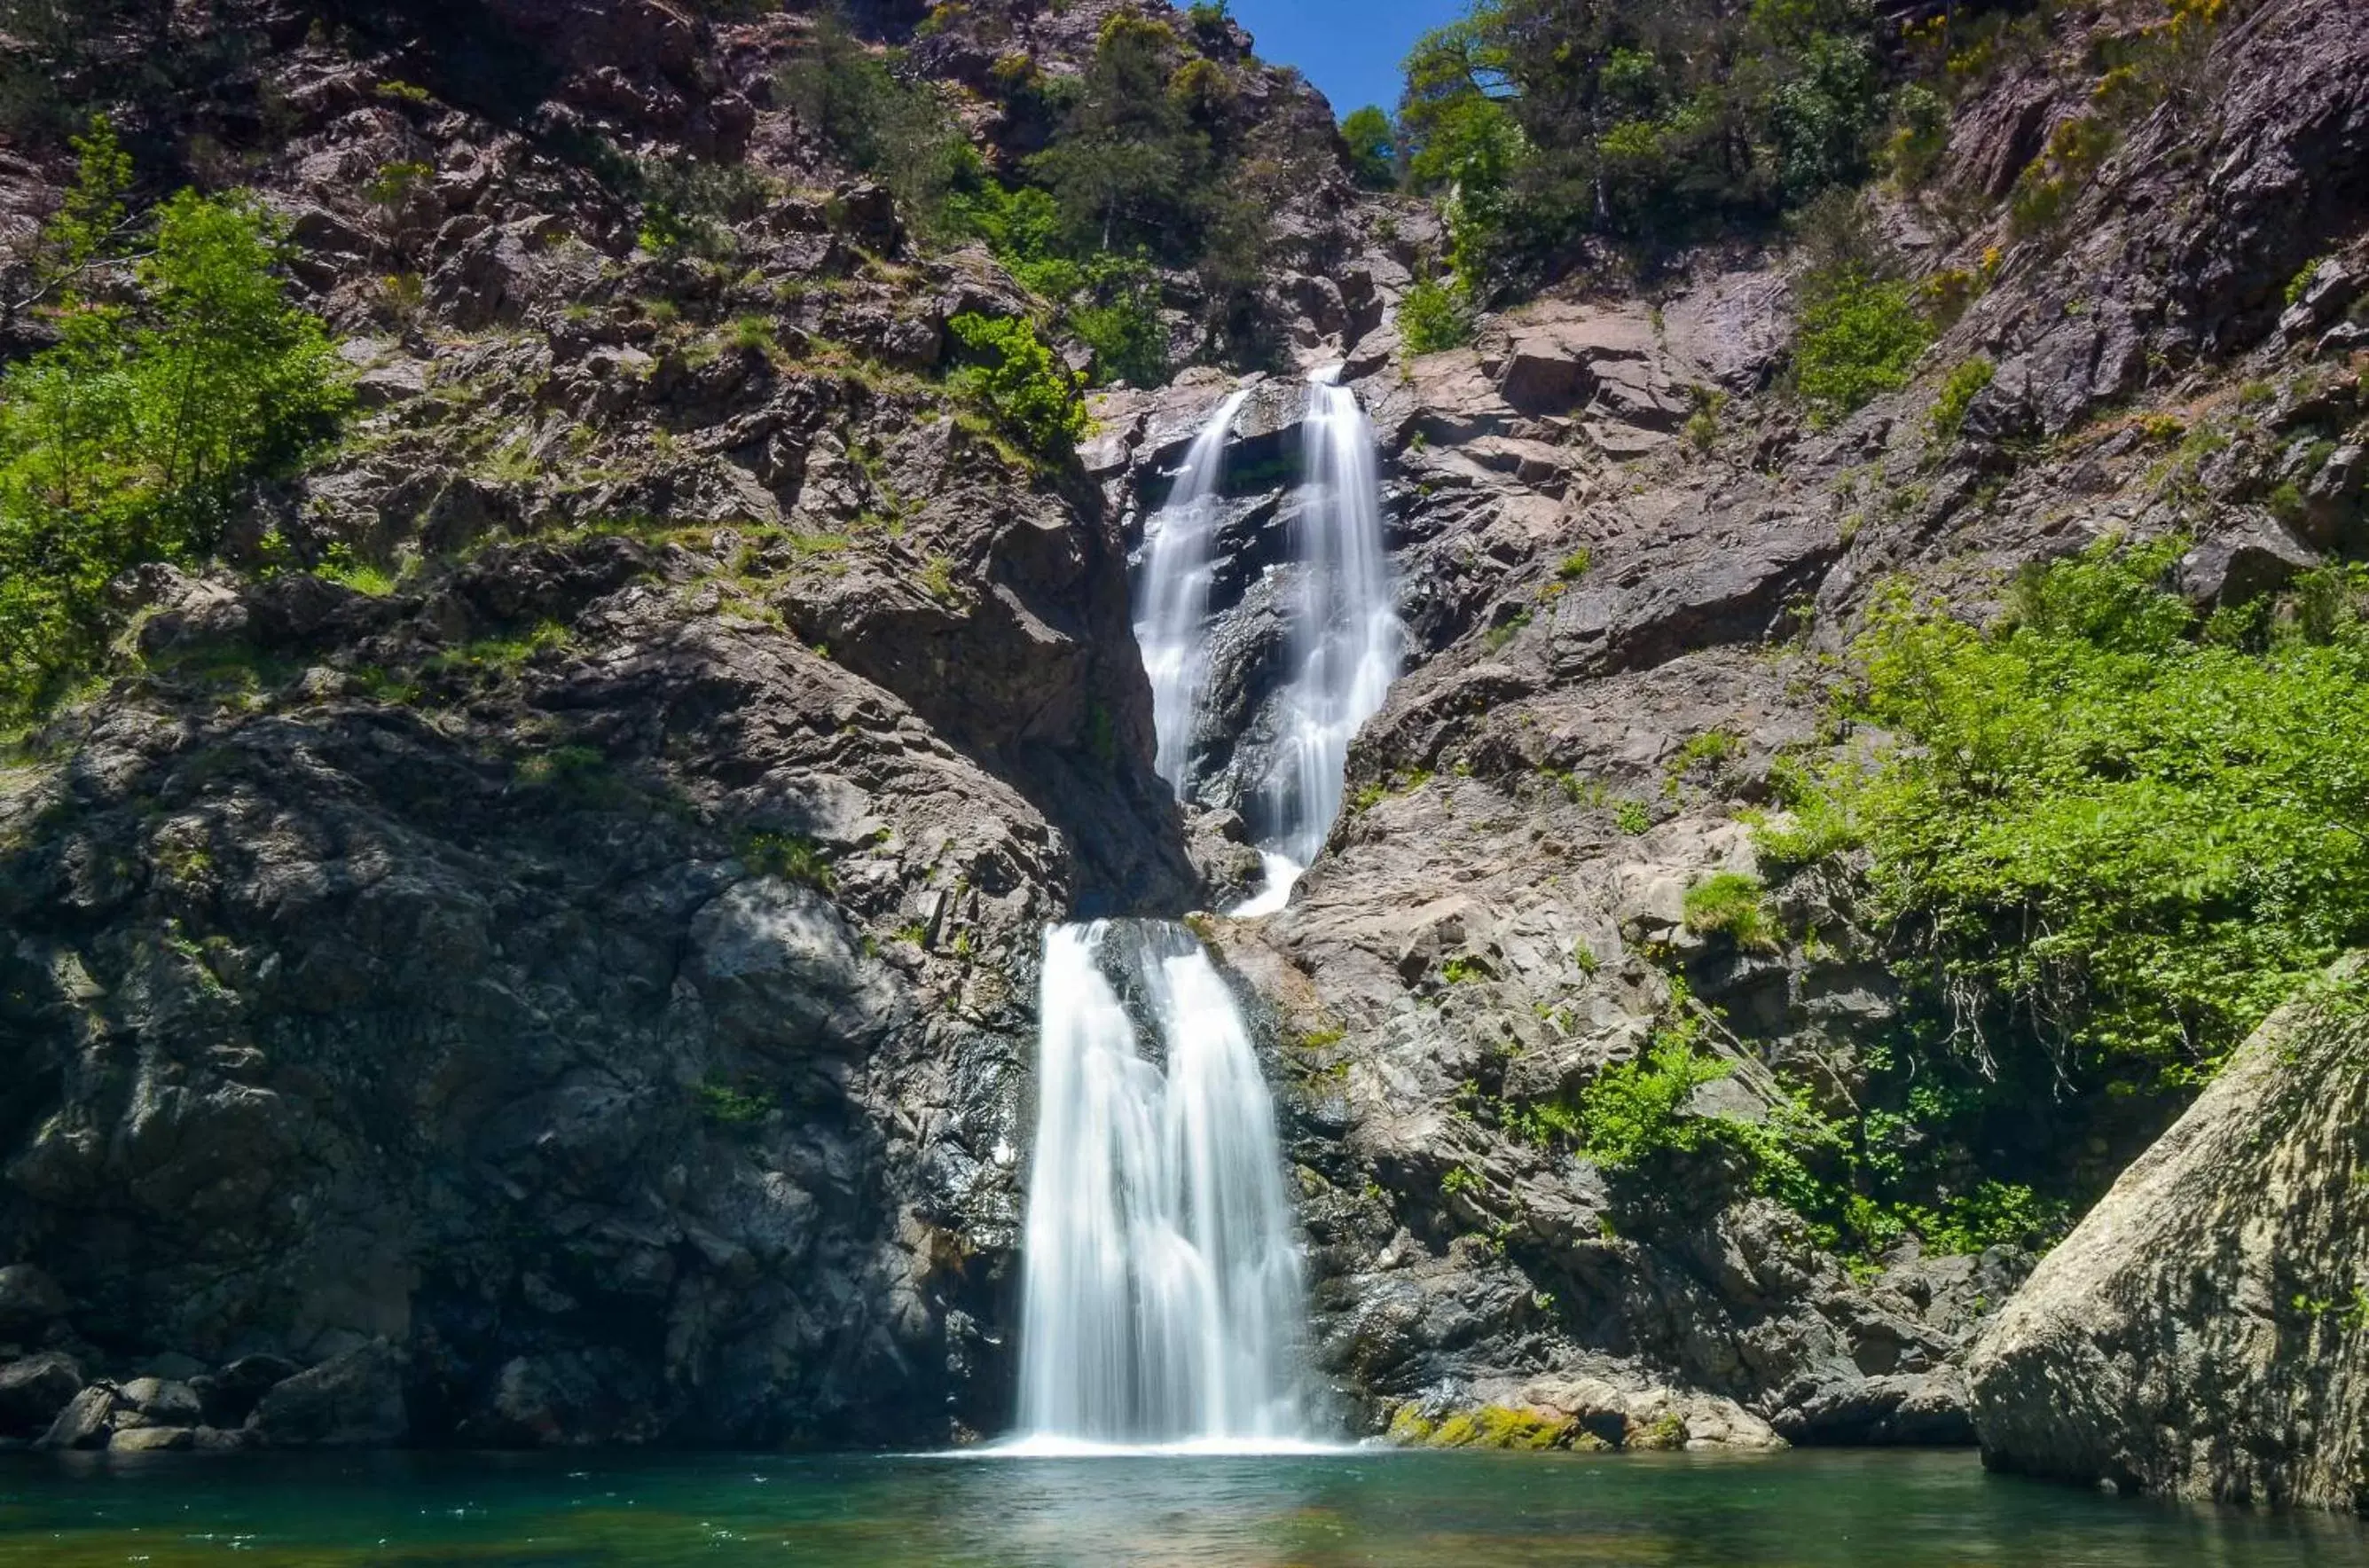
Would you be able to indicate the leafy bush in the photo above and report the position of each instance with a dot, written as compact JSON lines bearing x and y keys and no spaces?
{"x":1920,"y":134}
{"x":1638,"y":1109}
{"x":1116,"y":313}
{"x":1730,"y":903}
{"x":788,"y":857}
{"x":131,"y":439}
{"x":1966,"y":383}
{"x":1435,"y":315}
{"x":1861,"y":336}
{"x":2110,"y":829}
{"x":1820,"y":120}
{"x":1031,"y":393}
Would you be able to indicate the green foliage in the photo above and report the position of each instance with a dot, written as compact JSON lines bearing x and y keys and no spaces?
{"x":1633,"y":817}
{"x":1030,"y":392}
{"x":1128,"y":162}
{"x":1574,"y":566}
{"x":131,"y":439}
{"x":1820,"y":120}
{"x":1861,"y":336}
{"x":1731,"y":904}
{"x":1638,"y":1109}
{"x":901,"y":133}
{"x":1111,"y":302}
{"x":725,"y":1105}
{"x":1957,"y":395}
{"x":1920,"y":133}
{"x":2049,"y":183}
{"x":1373,"y":147}
{"x":788,"y":857}
{"x":1540,"y":123}
{"x":1435,"y":315}
{"x":2300,"y":285}
{"x":687,"y":205}
{"x":1117,"y":315}
{"x":1701,"y":431}
{"x":2104,"y":832}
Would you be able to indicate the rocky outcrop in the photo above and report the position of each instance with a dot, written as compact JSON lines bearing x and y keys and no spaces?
{"x":2201,"y":1334}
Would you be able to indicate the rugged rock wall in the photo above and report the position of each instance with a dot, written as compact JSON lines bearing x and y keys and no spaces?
{"x":574,"y":983}
{"x":1593,"y":582}
{"x":2200,"y":1334}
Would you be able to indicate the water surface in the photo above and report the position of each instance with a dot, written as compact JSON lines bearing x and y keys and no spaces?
{"x":1877,"y":1509}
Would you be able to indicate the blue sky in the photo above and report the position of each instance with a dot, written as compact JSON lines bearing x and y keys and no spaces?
{"x":1350,"y":49}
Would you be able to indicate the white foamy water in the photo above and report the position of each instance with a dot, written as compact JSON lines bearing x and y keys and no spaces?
{"x":1344,"y":631}
{"x":1172,"y":595}
{"x":1163,"y":1297}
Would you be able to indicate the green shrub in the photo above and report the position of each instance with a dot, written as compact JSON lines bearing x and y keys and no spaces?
{"x":2300,"y":285}
{"x":1702,"y":425}
{"x":1118,"y":317}
{"x":1576,"y":565}
{"x":1861,"y":336}
{"x":1435,"y":315}
{"x":721,"y":1104}
{"x":1730,"y":903}
{"x":1638,"y":1109}
{"x":131,"y":439}
{"x":2048,"y":183}
{"x":788,"y":857}
{"x":2122,"y":839}
{"x":1920,"y":133}
{"x":1030,"y":392}
{"x":1948,"y":415}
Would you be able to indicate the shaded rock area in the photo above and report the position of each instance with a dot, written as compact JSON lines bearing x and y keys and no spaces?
{"x":2199,"y":1335}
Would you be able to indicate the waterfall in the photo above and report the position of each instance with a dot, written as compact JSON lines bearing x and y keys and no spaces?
{"x":1163,"y":1297}
{"x":1345,"y":635}
{"x":1172,"y":595}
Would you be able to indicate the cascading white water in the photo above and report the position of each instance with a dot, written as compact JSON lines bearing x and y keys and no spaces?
{"x":1345,"y":634}
{"x":1172,"y":595}
{"x":1163,"y":1297}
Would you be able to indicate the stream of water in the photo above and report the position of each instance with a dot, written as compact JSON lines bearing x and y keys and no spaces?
{"x":1163,"y":1297}
{"x":1173,"y":596}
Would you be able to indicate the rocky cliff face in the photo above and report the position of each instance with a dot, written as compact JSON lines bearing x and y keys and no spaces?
{"x":1595,"y":582}
{"x":577,"y":986}
{"x":2199,"y":1335}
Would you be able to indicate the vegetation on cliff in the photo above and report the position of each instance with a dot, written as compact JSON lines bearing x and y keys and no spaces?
{"x":180,"y":372}
{"x":2108,"y":824}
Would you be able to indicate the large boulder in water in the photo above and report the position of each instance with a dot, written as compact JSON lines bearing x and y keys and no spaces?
{"x":2205,"y":1333}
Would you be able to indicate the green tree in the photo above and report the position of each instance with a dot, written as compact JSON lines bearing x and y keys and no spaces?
{"x":1373,"y":147}
{"x":1129,"y":160}
{"x":131,"y":439}
{"x":901,"y":132}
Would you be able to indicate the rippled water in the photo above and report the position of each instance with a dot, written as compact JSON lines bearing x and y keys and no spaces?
{"x":1883,"y":1510}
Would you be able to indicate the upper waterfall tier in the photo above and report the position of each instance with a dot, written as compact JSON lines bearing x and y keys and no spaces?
{"x":1344,"y":631}
{"x":1173,"y":596}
